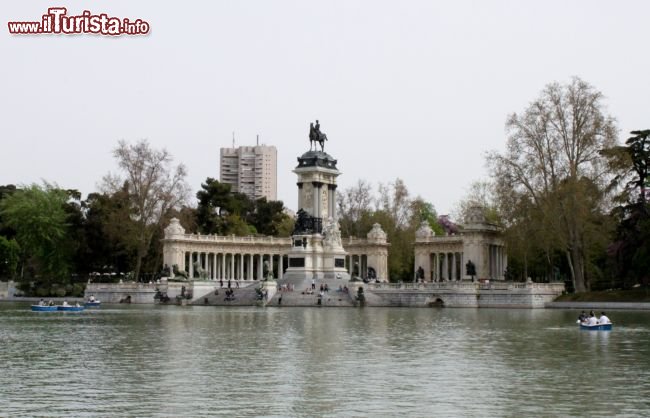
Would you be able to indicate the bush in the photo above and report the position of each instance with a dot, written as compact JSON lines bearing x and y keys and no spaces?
{"x":79,"y":289}
{"x":42,"y":292}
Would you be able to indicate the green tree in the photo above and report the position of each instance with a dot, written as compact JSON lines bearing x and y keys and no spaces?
{"x":38,"y":216}
{"x":630,"y":251}
{"x":269,"y":217}
{"x":109,"y":234}
{"x":214,"y":199}
{"x":9,"y":257}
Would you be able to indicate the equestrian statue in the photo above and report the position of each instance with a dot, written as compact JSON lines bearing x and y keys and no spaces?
{"x":315,"y":135}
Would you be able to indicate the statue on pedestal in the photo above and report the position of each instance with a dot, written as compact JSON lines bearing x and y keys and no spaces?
{"x":315,"y":135}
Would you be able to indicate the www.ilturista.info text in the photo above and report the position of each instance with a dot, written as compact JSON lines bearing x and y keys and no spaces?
{"x":58,"y":22}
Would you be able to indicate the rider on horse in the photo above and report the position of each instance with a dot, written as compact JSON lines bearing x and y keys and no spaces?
{"x":315,"y":135}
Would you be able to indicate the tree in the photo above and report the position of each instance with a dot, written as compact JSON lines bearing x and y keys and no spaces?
{"x":422,"y":210}
{"x":480,"y":193}
{"x":354,"y":203}
{"x":214,"y":200}
{"x":38,"y":216}
{"x":268,"y":217}
{"x":9,"y":257}
{"x":109,"y":234}
{"x":630,"y":251}
{"x":552,"y":159}
{"x":153,"y":188}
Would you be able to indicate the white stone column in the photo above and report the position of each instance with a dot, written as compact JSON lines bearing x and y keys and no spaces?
{"x":453,"y":266}
{"x":250,"y":266}
{"x":271,"y":264}
{"x":281,"y":266}
{"x":260,"y":267}
{"x":191,"y":272}
{"x":445,"y":270}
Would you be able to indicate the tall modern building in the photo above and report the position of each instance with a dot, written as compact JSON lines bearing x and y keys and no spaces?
{"x":251,"y":170}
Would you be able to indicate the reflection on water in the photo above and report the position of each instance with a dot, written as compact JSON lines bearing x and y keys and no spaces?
{"x":206,"y":361}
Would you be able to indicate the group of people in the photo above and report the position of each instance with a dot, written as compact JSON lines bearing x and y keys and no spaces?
{"x":51,"y":303}
{"x":230,"y":295}
{"x":286,"y":287}
{"x":592,"y":320}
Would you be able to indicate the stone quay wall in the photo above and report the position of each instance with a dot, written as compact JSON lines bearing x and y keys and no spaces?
{"x":115,"y":292}
{"x":463,"y":294}
{"x":447,"y":294}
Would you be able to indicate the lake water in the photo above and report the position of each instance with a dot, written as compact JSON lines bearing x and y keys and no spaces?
{"x":143,"y":361}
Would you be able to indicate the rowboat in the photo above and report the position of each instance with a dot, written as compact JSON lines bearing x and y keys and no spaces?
{"x":93,"y":304}
{"x":70,"y":308}
{"x":44,"y":308}
{"x":597,"y":327}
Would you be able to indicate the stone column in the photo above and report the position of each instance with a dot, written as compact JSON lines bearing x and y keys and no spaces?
{"x":331,"y":188}
{"x":317,"y":201}
{"x":301,"y":203}
{"x":250,"y":266}
{"x":191,"y":272}
{"x":271,"y":263}
{"x":453,"y":266}
{"x":445,"y":271}
{"x":281,"y":266}
{"x":260,"y":267}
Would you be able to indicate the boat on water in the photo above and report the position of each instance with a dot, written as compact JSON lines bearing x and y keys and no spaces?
{"x":57,"y":308}
{"x":92,"y":304}
{"x":70,"y":308}
{"x":597,"y":327}
{"x":44,"y":308}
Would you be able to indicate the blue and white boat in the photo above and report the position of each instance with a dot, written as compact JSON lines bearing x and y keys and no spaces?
{"x":70,"y":308}
{"x":92,"y":304}
{"x":597,"y":327}
{"x":44,"y":308}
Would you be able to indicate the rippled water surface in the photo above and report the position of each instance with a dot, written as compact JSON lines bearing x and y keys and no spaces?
{"x":205,"y":361}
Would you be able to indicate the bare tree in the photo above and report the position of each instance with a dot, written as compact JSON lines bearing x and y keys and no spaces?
{"x":552,"y":159}
{"x":353,"y":204}
{"x":395,"y":200}
{"x":153,"y":186}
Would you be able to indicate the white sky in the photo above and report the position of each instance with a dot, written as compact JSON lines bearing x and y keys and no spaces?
{"x":411,"y":89}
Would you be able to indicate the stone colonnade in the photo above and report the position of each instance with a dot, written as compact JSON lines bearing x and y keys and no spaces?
{"x":243,"y":258}
{"x":229,"y":265}
{"x":445,"y":257}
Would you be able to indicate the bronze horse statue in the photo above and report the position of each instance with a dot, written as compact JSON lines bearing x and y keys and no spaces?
{"x":315,"y":135}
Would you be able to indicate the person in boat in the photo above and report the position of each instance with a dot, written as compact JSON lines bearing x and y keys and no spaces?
{"x":65,"y":303}
{"x":592,"y":319}
{"x":41,"y":302}
{"x":50,"y":303}
{"x":92,"y":298}
{"x":582,"y":317}
{"x":604,"y":319}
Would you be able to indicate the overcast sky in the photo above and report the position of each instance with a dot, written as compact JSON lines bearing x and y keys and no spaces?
{"x":418,"y":90}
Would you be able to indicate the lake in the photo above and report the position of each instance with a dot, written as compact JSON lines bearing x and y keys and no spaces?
{"x":155,"y":361}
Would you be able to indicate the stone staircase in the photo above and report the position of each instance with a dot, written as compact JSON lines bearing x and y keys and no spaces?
{"x":244,"y":296}
{"x":297,"y":298}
